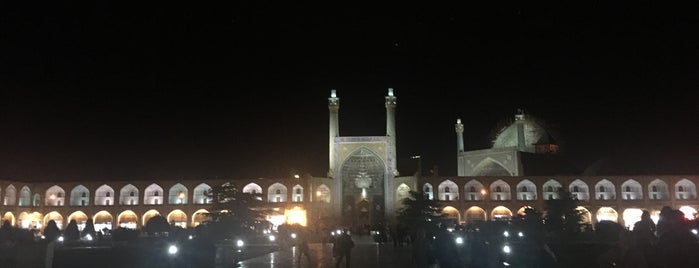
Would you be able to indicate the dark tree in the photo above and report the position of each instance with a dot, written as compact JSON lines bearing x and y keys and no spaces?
{"x":157,"y":225}
{"x":562,"y":215}
{"x":234,"y":212}
{"x":72,"y":233}
{"x":419,"y":212}
{"x":89,"y":229}
{"x":51,"y":232}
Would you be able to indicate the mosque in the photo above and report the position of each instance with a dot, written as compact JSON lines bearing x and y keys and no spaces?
{"x":363,"y":186}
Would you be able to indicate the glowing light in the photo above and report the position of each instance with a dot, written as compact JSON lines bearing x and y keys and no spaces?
{"x":333,"y":93}
{"x":506,"y":234}
{"x":459,"y":240}
{"x":363,"y":192}
{"x":506,"y":249}
{"x":483,"y":192}
{"x":60,"y":239}
{"x":520,"y":234}
{"x":293,"y":235}
{"x":240,"y":243}
{"x":296,"y":176}
{"x":689,"y":212}
{"x":296,"y":215}
{"x":88,"y":237}
{"x":53,"y":196}
{"x":272,"y":238}
{"x":190,"y":237}
{"x":318,"y":193}
{"x":172,"y":250}
{"x":390,"y":91}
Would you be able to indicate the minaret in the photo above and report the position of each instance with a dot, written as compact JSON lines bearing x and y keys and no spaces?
{"x":334,"y":130}
{"x":459,"y":136}
{"x":519,"y":119}
{"x":391,"y":127}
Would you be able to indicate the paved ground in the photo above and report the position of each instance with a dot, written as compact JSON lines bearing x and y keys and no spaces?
{"x":365,"y":254}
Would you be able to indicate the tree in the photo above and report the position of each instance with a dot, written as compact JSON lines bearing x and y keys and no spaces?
{"x":562,"y":214}
{"x":419,"y":212}
{"x":234,"y":212}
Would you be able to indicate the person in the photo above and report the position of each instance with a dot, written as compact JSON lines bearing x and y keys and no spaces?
{"x":342,"y":248}
{"x":302,"y":246}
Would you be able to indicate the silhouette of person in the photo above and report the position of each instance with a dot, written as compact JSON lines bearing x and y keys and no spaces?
{"x":342,"y":249}
{"x":302,"y":246}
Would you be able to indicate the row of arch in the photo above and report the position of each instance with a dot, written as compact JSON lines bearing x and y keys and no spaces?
{"x":629,"y":215}
{"x":152,"y":195}
{"x":526,"y":190}
{"x":103,"y":219}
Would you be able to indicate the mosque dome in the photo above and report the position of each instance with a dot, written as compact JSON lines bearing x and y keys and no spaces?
{"x":527,"y":126}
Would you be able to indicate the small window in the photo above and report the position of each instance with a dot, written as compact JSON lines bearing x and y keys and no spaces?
{"x":473,"y":197}
{"x":576,"y":189}
{"x":655,"y":196}
{"x":298,"y":190}
{"x":681,"y":196}
{"x":680,"y":189}
{"x":654,"y":188}
{"x":279,"y":199}
{"x":279,"y":191}
{"x":628,"y":197}
{"x":131,"y":202}
{"x":447,"y":197}
{"x":601,"y":197}
{"x":628,"y":188}
{"x":550,"y":197}
{"x":472,"y":189}
{"x":447,"y":190}
{"x":497,"y":197}
{"x":601,"y":188}
{"x":84,"y":194}
{"x":107,"y":202}
{"x":133,"y":194}
{"x":498,"y":189}
{"x":524,"y":188}
{"x":524,"y":197}
{"x":549,"y":189}
{"x":428,"y":189}
{"x":108,"y":194}
{"x":156,"y":193}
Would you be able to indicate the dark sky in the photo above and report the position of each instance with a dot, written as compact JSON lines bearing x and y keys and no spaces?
{"x":179,"y":90}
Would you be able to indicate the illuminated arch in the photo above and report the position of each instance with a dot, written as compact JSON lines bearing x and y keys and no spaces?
{"x":324,"y":193}
{"x":631,"y":190}
{"x":521,"y":211}
{"x":500,"y":190}
{"x":429,"y":190}
{"x":550,"y":189}
{"x":276,"y":193}
{"x":501,"y":213}
{"x":37,"y":200}
{"x":10,"y":196}
{"x":579,"y":190}
{"x":200,"y":194}
{"x":631,"y":216}
{"x":55,"y":196}
{"x":80,"y":218}
{"x":473,"y":190}
{"x":605,"y":190}
{"x":252,"y":188}
{"x":658,"y":190}
{"x":690,"y":213}
{"x":447,"y":191}
{"x":475,"y":213}
{"x":153,"y":195}
{"x":526,"y":190}
{"x":177,"y":218}
{"x":607,"y":214}
{"x":55,"y":216}
{"x":25,"y":197}
{"x":585,"y":215}
{"x":32,"y":220}
{"x":490,"y":167}
{"x":402,"y":192}
{"x":178,"y":194}
{"x":102,"y":220}
{"x":128,"y":195}
{"x":297,"y":193}
{"x":80,"y":196}
{"x":452,"y":213}
{"x":8,"y":216}
{"x":199,"y":217}
{"x":104,"y":196}
{"x":148,"y":215}
{"x":127,"y":219}
{"x":685,"y":189}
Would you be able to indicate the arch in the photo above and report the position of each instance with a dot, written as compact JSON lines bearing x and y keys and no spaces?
{"x":153,"y":195}
{"x":631,"y":190}
{"x":128,"y":195}
{"x":501,"y":213}
{"x":475,"y":213}
{"x":325,"y":193}
{"x":25,"y":197}
{"x":522,"y":210}
{"x":607,"y":214}
{"x":55,"y":216}
{"x":104,"y":196}
{"x":473,"y":190}
{"x":685,"y":189}
{"x":658,"y":190}
{"x":199,"y":216}
{"x":500,"y":190}
{"x":55,"y":196}
{"x":177,"y":218}
{"x":447,"y":191}
{"x":8,"y":216}
{"x":631,"y":216}
{"x":32,"y":220}
{"x":252,"y":188}
{"x":178,"y":194}
{"x":550,"y":189}
{"x":428,"y":190}
{"x":452,"y":214}
{"x":402,"y":192}
{"x":297,"y":193}
{"x":690,"y":213}
{"x":103,"y":220}
{"x":579,"y":190}
{"x":585,"y":215}
{"x":127,"y":219}
{"x":10,"y":196}
{"x":490,"y":167}
{"x":526,"y":190}
{"x":276,"y":193}
{"x":37,"y":200}
{"x":201,"y":194}
{"x":148,"y":215}
{"x":605,"y":190}
{"x":80,"y":218}
{"x":80,"y":196}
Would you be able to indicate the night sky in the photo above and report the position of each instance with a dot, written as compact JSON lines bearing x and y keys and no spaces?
{"x":116,"y":91}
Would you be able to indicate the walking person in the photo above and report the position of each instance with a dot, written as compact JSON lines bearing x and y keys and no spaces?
{"x":342,"y":249}
{"x":302,"y":247}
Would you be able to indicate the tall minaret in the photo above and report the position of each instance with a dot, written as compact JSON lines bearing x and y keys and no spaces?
{"x":519,"y":119}
{"x":391,"y":127}
{"x":459,"y":136}
{"x":334,"y":130}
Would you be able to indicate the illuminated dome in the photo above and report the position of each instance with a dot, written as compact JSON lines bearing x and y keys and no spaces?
{"x":533,"y":134}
